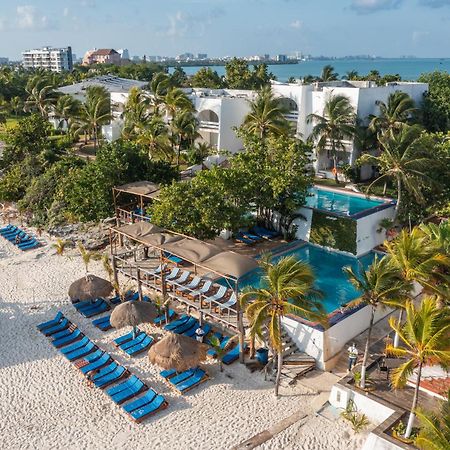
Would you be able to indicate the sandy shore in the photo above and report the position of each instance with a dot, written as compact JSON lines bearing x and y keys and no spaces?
{"x":46,"y":404}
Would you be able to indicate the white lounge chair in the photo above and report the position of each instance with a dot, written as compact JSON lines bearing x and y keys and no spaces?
{"x":180,"y":280}
{"x":203,"y":290}
{"x":228,"y":304}
{"x":217,"y":296}
{"x":193,"y":284}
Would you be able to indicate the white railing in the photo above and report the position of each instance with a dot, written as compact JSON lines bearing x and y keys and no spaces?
{"x":292,"y":116}
{"x":208,"y":125}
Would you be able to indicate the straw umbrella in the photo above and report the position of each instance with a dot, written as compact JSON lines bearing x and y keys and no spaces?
{"x":132,"y":314}
{"x":89,"y":288}
{"x":178,"y":352}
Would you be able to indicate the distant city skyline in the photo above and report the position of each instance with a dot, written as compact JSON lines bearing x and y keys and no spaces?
{"x":389,"y":28}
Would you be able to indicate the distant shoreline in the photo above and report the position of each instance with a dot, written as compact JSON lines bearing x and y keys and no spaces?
{"x":209,"y":63}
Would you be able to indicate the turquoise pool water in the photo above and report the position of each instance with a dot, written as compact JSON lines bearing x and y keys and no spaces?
{"x":339,"y":203}
{"x":331,"y":279}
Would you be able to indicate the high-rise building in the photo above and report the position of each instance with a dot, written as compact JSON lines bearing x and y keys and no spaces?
{"x":202,"y":56}
{"x":123,"y":52}
{"x":281,"y":58}
{"x":54,"y":59}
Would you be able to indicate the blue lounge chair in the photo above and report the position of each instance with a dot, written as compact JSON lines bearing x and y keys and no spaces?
{"x":232,"y":355}
{"x":198,"y":377}
{"x":7,"y":229}
{"x":64,"y":333}
{"x":59,"y":327}
{"x":245,"y":240}
{"x":126,"y":337}
{"x":168,"y":373}
{"x":191,"y":322}
{"x":172,"y":258}
{"x":109,"y":368}
{"x":139,"y":338}
{"x":51,"y":323}
{"x":118,"y":373}
{"x":81,"y":305}
{"x":71,"y":348}
{"x":95,"y":311}
{"x":145,"y":406}
{"x":264,"y":232}
{"x":179,"y":378}
{"x":71,"y":338}
{"x":94,"y":356}
{"x":30,"y":245}
{"x":126,"y":390}
{"x":162,"y":318}
{"x":206,"y":327}
{"x":223,"y":342}
{"x":97,"y":364}
{"x":183,"y":319}
{"x":81,"y":352}
{"x":141,"y":347}
{"x":103,"y":323}
{"x":115,"y":300}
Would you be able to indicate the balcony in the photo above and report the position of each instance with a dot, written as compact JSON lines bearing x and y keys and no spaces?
{"x":207,"y":125}
{"x":291,"y":116}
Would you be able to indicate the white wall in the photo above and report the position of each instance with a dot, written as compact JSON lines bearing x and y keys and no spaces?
{"x":367,"y":236}
{"x":233,"y":113}
{"x":374,"y":442}
{"x":304,"y":226}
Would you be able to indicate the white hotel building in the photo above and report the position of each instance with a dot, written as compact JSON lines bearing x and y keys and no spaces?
{"x":48,"y":58}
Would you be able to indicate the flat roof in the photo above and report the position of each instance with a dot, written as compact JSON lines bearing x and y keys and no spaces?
{"x":109,"y":82}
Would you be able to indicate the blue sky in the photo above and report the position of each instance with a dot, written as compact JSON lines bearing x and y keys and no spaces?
{"x":229,"y":27}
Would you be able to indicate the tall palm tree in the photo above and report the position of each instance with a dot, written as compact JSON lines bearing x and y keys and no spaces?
{"x":416,"y":259}
{"x":328,"y":74}
{"x":352,"y":75}
{"x":41,"y":95}
{"x":136,"y":113}
{"x":16,"y":105}
{"x":426,"y":339}
{"x":287,"y":288}
{"x":66,"y":110}
{"x":159,"y":86}
{"x":404,"y":160}
{"x":266,"y":115}
{"x":435,"y":427}
{"x":398,"y":110}
{"x":94,"y":112}
{"x":380,"y":285}
{"x":184,"y":131}
{"x":154,"y":136}
{"x":176,"y":101}
{"x":331,"y":129}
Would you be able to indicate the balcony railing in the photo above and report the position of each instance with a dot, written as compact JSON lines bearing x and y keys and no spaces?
{"x":292,"y":116}
{"x":207,"y":125}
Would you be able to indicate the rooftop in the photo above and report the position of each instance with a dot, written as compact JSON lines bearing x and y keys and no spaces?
{"x":109,"y":82}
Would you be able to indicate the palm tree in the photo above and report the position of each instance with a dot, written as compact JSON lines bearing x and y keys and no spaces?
{"x":398,"y":110}
{"x":176,"y":101}
{"x":95,"y":112}
{"x":154,"y":136}
{"x":380,"y":285}
{"x":66,"y":109}
{"x":435,"y":428}
{"x":328,"y":74}
{"x":426,"y":339}
{"x":438,"y":234}
{"x":159,"y":86}
{"x":336,"y":125}
{"x":288,"y":288}
{"x":416,"y":259}
{"x":87,"y":256}
{"x":137,"y":113}
{"x":352,"y":75}
{"x":219,"y":350}
{"x":403,"y":160}
{"x":266,"y":115}
{"x":41,"y":95}
{"x":184,"y":131}
{"x":16,"y":105}
{"x":60,"y":246}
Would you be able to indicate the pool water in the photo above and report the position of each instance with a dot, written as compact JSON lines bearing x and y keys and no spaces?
{"x":330,"y":278}
{"x":339,"y":203}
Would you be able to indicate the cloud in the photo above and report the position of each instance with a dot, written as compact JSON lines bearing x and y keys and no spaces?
{"x":28,"y":18}
{"x":296,"y":24}
{"x":435,"y":3}
{"x":371,"y":6}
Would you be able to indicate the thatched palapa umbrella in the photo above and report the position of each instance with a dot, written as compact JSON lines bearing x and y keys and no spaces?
{"x":89,"y":288}
{"x":178,"y":352}
{"x":133,"y":313}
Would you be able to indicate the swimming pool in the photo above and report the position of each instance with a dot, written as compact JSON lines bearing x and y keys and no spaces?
{"x":339,"y":203}
{"x":327,"y":265}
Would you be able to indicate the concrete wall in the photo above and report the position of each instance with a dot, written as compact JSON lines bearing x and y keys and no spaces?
{"x":233,"y":113}
{"x":304,"y":227}
{"x":374,"y":442}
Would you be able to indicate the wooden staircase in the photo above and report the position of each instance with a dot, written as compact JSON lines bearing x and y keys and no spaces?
{"x":295,"y":362}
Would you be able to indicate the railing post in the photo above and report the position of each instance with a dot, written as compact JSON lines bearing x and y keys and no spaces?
{"x":116,"y":278}
{"x":240,"y":324}
{"x":138,"y":276}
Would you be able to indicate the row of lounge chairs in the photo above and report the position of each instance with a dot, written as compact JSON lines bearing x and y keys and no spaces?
{"x":187,"y":325}
{"x":102,"y":371}
{"x":134,"y":343}
{"x":91,"y":309}
{"x":257,"y":234}
{"x":185,"y":381}
{"x":19,"y":238}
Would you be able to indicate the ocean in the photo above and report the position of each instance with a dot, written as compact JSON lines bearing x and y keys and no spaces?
{"x":408,"y":69}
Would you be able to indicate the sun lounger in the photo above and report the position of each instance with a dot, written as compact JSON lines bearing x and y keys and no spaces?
{"x":81,"y":352}
{"x":162,"y":318}
{"x":59,"y":327}
{"x":103,"y":323}
{"x":126,"y":337}
{"x":118,"y":373}
{"x":140,"y":347}
{"x":180,"y":377}
{"x":98,"y":309}
{"x":127,"y":389}
{"x":51,"y":323}
{"x":97,"y":364}
{"x":217,"y":296}
{"x":183,"y":319}
{"x":228,"y":304}
{"x":172,"y":258}
{"x":75,"y":346}
{"x":264,"y":232}
{"x":7,"y":229}
{"x":245,"y":240}
{"x":32,"y":243}
{"x":71,"y":338}
{"x":206,"y":327}
{"x":109,"y":368}
{"x":64,"y":333}
{"x":223,"y":342}
{"x":168,"y":373}
{"x":179,"y":280}
{"x":198,"y":376}
{"x":232,"y":355}
{"x":145,"y":406}
{"x":191,"y":322}
{"x":253,"y":237}
{"x":203,"y":290}
{"x":193,"y":284}
{"x":139,"y":338}
{"x":156,"y":272}
{"x":81,"y":305}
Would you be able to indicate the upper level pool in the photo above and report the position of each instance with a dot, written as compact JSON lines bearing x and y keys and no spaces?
{"x":342,"y":203}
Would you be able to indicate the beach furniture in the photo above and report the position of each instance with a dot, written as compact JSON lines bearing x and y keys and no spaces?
{"x":193,"y":284}
{"x":140,"y":347}
{"x":162,"y":318}
{"x":86,"y":304}
{"x":217,"y":296}
{"x":132,"y":342}
{"x":244,"y":240}
{"x":7,"y":229}
{"x":172,"y":258}
{"x":126,"y":337}
{"x":64,"y":333}
{"x":179,"y":280}
{"x":189,"y":379}
{"x":156,"y":272}
{"x":253,"y":237}
{"x":51,"y":323}
{"x":184,"y":318}
{"x":59,"y":327}
{"x":232,"y":355}
{"x":198,"y":292}
{"x":223,"y":342}
{"x":75,"y":346}
{"x":168,"y":373}
{"x":30,"y":245}
{"x":98,"y":308}
{"x":114,"y":375}
{"x":191,"y":322}
{"x":229,"y":303}
{"x":81,"y":352}
{"x":103,"y":323}
{"x":145,"y":406}
{"x":97,"y":363}
{"x":206,"y":327}
{"x":264,"y":232}
{"x":66,"y":340}
{"x":126,"y":390}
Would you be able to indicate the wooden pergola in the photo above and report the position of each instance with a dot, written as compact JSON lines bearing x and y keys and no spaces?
{"x":210,"y":258}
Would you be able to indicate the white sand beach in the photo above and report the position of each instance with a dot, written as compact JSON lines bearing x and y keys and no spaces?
{"x":45,"y":403}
